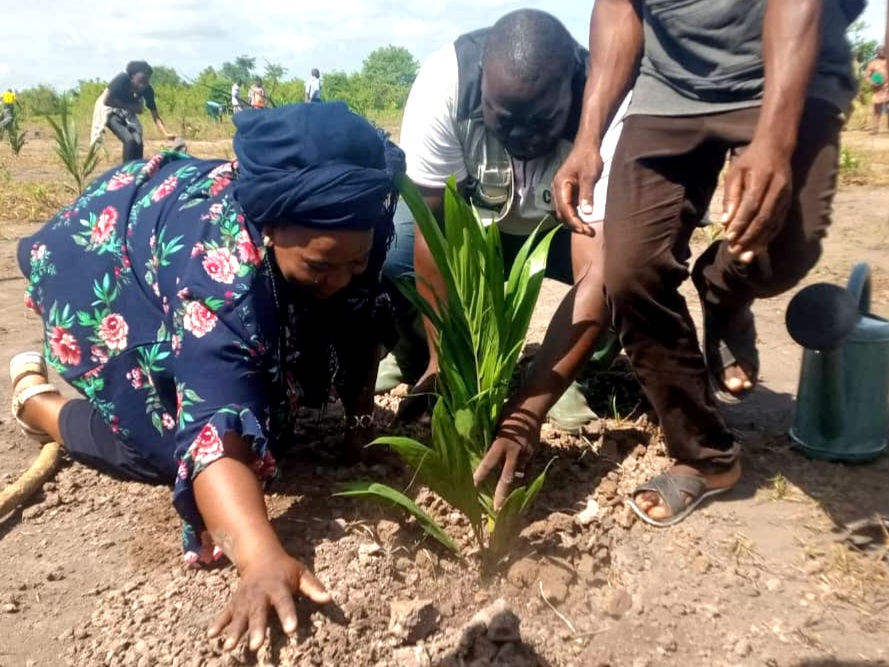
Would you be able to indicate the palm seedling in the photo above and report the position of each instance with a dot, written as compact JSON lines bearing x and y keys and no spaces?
{"x":481,"y":324}
{"x":80,"y":168}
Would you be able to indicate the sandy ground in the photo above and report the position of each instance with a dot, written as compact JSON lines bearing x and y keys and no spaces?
{"x":768,"y":576}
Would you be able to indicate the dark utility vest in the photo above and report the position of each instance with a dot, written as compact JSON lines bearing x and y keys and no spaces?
{"x":490,"y":183}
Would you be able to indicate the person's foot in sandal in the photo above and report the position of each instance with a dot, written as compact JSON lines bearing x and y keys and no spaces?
{"x":736,"y":380}
{"x":729,"y":344}
{"x":672,"y":496}
{"x":28,"y":376}
{"x":727,"y":368}
{"x":730,"y":352}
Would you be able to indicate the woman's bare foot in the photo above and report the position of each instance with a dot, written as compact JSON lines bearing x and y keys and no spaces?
{"x":653,"y":504}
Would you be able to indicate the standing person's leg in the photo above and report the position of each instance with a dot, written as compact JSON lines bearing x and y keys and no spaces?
{"x":135,"y":126}
{"x":728,"y":286}
{"x":877,"y":111}
{"x":131,"y":144}
{"x":663,"y":176}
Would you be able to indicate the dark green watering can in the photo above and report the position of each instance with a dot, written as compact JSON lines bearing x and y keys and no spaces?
{"x":842,"y":404}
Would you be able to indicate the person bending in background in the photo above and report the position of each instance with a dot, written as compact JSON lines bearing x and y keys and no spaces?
{"x":119,"y":106}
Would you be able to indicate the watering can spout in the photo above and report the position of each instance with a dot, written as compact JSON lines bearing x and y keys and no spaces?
{"x":842,"y":408}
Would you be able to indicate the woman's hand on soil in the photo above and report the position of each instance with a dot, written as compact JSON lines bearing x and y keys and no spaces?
{"x":273,"y":581}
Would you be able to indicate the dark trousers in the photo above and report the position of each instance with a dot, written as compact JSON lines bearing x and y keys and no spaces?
{"x":663,"y":175}
{"x":129,"y":136}
{"x":89,"y":440}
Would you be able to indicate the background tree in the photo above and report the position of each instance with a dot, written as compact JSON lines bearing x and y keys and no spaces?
{"x":243,"y":68}
{"x":165,"y":76}
{"x":380,"y":89}
{"x":391,"y":65}
{"x":40,"y":100}
{"x":273,"y":73}
{"x":863,"y":50}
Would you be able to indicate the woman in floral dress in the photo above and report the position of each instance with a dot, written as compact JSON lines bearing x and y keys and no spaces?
{"x":194,"y":304}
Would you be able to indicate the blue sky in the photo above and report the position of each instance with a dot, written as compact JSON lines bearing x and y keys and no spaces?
{"x":58,"y":42}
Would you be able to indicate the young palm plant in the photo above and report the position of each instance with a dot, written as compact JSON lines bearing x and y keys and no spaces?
{"x":15,"y":136}
{"x":481,"y":323}
{"x":68,"y":149}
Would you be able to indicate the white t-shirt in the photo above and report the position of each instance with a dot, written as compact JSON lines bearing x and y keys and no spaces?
{"x":313,"y":87}
{"x":432,"y":147}
{"x":236,"y":95}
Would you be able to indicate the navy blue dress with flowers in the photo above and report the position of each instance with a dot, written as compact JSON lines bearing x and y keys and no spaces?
{"x":159,"y":306}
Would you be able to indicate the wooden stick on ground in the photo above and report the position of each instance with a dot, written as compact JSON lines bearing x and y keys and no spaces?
{"x":32,"y":480}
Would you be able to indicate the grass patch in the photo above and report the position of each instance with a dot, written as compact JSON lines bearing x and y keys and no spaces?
{"x":32,"y":202}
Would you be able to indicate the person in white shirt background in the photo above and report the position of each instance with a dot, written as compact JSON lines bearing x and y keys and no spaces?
{"x":498,"y":108}
{"x":237,"y":103}
{"x":313,"y":87}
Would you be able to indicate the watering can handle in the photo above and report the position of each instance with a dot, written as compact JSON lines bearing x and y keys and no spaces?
{"x":859,"y":286}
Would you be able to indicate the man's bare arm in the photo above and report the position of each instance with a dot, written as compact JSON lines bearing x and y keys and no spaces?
{"x":616,"y":45}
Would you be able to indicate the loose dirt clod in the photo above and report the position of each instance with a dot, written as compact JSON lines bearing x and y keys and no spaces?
{"x":588,"y":514}
{"x":497,"y":621}
{"x":617,"y":603}
{"x":412,"y":620}
{"x":411,"y":656}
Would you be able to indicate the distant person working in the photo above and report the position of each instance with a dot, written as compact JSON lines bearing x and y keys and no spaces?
{"x":878,"y":78}
{"x":313,"y":87}
{"x":8,"y":114}
{"x":118,"y":108}
{"x":256,"y":97}
{"x":237,"y":103}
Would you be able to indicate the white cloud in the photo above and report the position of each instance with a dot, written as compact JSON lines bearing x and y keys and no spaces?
{"x":95,"y":38}
{"x":58,"y":42}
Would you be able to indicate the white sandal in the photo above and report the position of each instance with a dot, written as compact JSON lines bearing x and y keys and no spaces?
{"x":21,"y":365}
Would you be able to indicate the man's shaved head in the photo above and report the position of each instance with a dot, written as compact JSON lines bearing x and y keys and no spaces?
{"x":528,"y":69}
{"x":530,"y":44}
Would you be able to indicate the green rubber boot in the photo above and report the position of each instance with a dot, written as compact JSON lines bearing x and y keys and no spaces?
{"x":388,"y":376}
{"x":409,"y":357}
{"x":571,"y":411}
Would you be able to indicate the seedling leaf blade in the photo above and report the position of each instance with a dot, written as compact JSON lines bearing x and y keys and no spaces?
{"x":375,"y":489}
